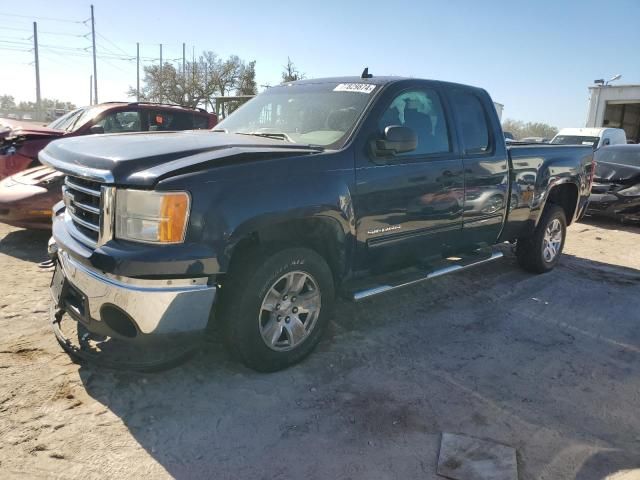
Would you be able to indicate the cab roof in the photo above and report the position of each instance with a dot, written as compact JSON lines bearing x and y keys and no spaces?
{"x":585,"y":132}
{"x":375,"y":80}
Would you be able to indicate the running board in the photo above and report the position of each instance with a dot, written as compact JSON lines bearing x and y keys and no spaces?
{"x":422,"y":276}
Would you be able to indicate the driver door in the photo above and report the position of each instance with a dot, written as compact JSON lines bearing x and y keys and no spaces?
{"x":411,"y":205}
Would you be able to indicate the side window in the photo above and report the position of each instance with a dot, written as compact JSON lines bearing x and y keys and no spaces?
{"x":422,"y":112}
{"x":200,"y":122}
{"x":181,"y":121}
{"x":160,"y":121}
{"x":120,"y":122}
{"x":473,"y":122}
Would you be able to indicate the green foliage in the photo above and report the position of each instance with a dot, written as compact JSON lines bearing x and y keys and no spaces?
{"x":208,"y":77}
{"x":247,"y":83}
{"x":520,"y":129}
{"x":7,"y":102}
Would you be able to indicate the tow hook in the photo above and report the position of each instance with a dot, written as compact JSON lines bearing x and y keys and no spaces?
{"x":52,"y":253}
{"x":52,"y":249}
{"x":57,"y":315}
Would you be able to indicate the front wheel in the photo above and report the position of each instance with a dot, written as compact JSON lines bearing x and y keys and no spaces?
{"x":276,"y":306}
{"x":541,"y":251}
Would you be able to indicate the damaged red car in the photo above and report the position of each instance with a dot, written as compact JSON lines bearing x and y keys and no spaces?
{"x":28,"y":190}
{"x":20,"y":142}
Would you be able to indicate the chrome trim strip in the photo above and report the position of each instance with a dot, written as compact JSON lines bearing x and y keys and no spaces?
{"x":80,"y":188}
{"x":357,"y":296}
{"x":77,"y":234}
{"x":107,"y":214}
{"x":85,"y":207}
{"x":82,"y":222}
{"x":94,"y":174}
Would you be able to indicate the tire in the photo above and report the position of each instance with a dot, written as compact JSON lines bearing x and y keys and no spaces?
{"x":531,"y":252}
{"x":259,"y":299}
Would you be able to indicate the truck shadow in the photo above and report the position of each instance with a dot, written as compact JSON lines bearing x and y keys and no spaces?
{"x":494,"y":353}
{"x":28,"y":245}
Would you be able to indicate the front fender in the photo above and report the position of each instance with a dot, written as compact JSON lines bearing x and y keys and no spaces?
{"x":236,"y":202}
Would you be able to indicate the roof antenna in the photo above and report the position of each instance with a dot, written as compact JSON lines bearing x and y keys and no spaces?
{"x":366,"y":74}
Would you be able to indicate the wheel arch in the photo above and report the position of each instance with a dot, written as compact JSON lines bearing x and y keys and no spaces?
{"x":324,"y":234}
{"x":565,"y":195}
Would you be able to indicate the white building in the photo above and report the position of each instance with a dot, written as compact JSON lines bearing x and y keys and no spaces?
{"x":499,"y":108}
{"x":616,"y":106}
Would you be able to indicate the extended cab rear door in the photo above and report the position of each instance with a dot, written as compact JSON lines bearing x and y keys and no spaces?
{"x":486,"y":166}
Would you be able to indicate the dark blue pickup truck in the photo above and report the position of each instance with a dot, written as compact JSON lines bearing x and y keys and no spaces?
{"x":353,"y":185}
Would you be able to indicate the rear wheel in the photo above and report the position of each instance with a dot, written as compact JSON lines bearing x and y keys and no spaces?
{"x":541,"y":251}
{"x":275,"y":307}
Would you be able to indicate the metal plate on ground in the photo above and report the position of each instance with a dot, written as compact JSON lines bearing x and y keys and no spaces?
{"x":467,"y":458}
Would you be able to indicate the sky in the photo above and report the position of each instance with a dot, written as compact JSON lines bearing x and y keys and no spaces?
{"x":535,"y":57}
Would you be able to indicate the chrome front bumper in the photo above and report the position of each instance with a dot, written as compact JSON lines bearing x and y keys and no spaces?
{"x":153,"y":306}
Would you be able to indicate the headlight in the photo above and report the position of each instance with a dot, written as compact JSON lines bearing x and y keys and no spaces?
{"x":631,"y":191}
{"x":154,"y":217}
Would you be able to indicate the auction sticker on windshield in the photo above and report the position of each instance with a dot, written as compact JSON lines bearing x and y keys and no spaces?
{"x":355,"y":87}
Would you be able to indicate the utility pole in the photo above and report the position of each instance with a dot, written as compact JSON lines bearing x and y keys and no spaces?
{"x":90,"y":89}
{"x":137,"y":71}
{"x":184,"y":70}
{"x":37,"y":63}
{"x":160,"y":73}
{"x":95,"y":69}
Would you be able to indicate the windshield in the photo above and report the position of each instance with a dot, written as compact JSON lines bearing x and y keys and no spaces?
{"x":311,"y":114}
{"x":75,"y":119}
{"x":576,"y":140}
{"x":622,"y":156}
{"x":64,"y":121}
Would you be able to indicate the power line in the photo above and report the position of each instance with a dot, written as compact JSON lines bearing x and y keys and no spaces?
{"x":111,"y":52}
{"x":39,"y":32}
{"x":110,"y":42}
{"x":88,"y":55}
{"x":14,"y":49}
{"x":31,"y":17}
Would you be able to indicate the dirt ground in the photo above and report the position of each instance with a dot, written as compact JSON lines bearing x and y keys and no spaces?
{"x":547,"y":364}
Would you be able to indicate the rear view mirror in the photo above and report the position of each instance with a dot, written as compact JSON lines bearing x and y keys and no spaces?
{"x":97,"y":129}
{"x":396,"y":139}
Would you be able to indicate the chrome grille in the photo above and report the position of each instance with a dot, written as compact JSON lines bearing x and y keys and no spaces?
{"x":83,"y":201}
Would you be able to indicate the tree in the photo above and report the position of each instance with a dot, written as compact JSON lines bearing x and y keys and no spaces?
{"x":168,"y":85}
{"x":520,"y":129}
{"x":7,"y":102}
{"x":247,"y":82}
{"x":291,"y":73}
{"x":203,"y":80}
{"x":224,"y":74}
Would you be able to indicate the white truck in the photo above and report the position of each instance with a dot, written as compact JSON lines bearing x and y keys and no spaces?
{"x":598,"y":137}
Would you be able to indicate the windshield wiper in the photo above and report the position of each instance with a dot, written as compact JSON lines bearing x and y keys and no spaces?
{"x":276,"y":135}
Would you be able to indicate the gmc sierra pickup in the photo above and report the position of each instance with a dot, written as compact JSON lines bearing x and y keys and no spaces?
{"x":354,"y":185}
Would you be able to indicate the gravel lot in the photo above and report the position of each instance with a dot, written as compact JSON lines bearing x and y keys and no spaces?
{"x":547,"y":364}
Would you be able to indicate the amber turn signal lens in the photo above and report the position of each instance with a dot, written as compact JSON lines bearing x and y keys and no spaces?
{"x":174,"y":211}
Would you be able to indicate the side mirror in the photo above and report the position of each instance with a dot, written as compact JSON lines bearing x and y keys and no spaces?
{"x":96,"y":129}
{"x":606,"y":141}
{"x":397,"y":139}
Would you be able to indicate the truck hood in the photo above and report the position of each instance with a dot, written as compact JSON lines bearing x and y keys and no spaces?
{"x":142,"y":159}
{"x":616,"y":173}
